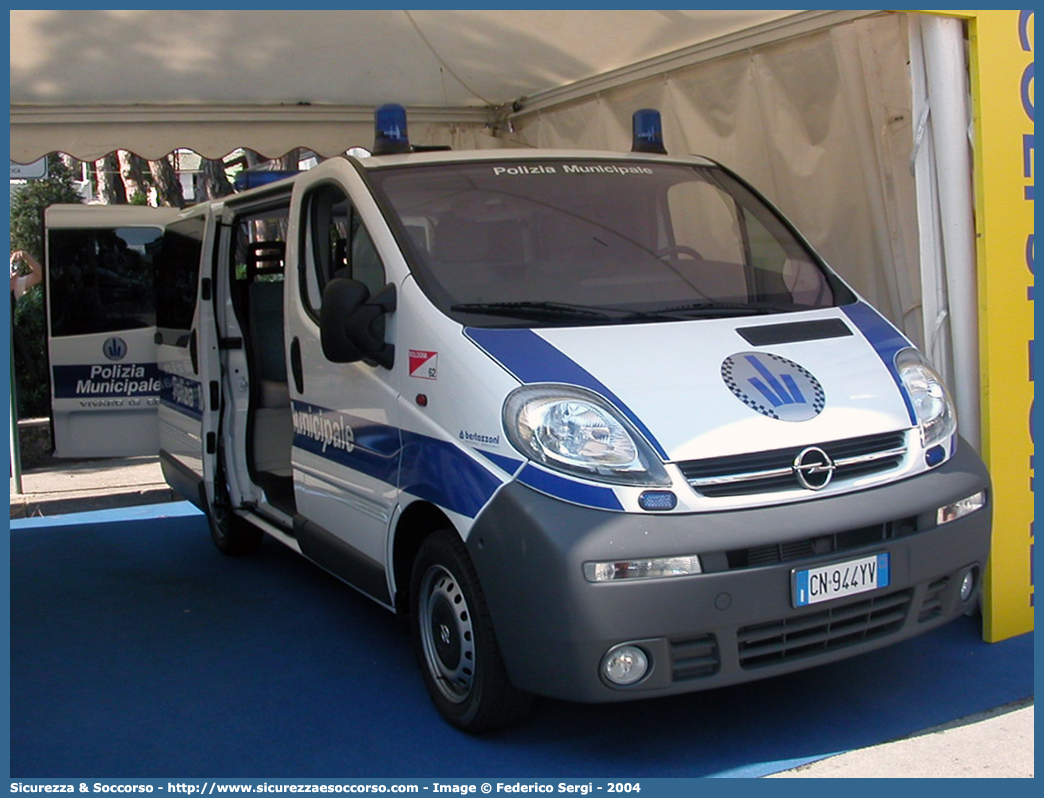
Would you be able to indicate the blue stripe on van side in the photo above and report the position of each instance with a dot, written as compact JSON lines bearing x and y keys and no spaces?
{"x":441,"y":473}
{"x":374,"y":463}
{"x":182,"y":394}
{"x":432,"y":469}
{"x":436,"y":470}
{"x":508,"y":464}
{"x":532,"y":359}
{"x":569,"y":490}
{"x":886,"y":341}
{"x":195,"y":415}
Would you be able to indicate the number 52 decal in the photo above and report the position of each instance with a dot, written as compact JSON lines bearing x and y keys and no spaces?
{"x":424,"y":365}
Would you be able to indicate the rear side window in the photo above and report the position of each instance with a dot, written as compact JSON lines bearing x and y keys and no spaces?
{"x":101,"y":279}
{"x":177,"y":275}
{"x":259,"y":246}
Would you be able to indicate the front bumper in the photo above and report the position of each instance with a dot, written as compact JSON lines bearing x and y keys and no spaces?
{"x":735,"y":622}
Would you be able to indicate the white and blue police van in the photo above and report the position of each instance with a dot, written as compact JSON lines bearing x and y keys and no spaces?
{"x":602,"y":427}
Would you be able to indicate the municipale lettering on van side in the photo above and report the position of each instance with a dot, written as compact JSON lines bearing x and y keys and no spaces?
{"x":329,"y":429}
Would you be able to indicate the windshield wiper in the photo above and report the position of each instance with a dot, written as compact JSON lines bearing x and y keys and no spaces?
{"x":558,"y":311}
{"x":532,"y":310}
{"x":712,"y":307}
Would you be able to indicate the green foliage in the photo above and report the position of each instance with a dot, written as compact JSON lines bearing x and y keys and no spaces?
{"x":30,"y":344}
{"x":29,"y":201}
{"x":30,"y":339}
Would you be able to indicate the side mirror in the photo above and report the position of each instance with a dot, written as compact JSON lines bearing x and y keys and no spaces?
{"x":351,"y":323}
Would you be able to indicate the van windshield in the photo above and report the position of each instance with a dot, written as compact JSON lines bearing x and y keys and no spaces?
{"x":557,"y":242}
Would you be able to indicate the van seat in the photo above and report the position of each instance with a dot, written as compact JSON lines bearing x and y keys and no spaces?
{"x":267,"y":343}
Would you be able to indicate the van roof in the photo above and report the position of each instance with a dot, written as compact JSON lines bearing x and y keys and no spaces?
{"x":459,"y":156}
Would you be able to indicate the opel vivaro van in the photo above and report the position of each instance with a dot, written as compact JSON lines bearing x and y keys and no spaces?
{"x":602,"y":427}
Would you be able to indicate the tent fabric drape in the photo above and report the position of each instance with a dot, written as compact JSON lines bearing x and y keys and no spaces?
{"x":820,"y":124}
{"x":89,"y":81}
{"x":92,"y":133}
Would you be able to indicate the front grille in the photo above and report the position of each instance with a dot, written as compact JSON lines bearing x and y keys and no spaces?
{"x":814,"y":633}
{"x":763,"y":472}
{"x":694,"y":659}
{"x":776,"y":553}
{"x":932,"y":606}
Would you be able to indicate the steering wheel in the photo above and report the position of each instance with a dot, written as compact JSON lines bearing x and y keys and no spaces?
{"x":678,"y":249}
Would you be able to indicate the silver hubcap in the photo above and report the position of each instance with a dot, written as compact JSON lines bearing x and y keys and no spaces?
{"x":447,"y":634}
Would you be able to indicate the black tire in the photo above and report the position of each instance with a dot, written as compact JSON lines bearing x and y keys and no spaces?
{"x":231,"y":534}
{"x":454,"y":640}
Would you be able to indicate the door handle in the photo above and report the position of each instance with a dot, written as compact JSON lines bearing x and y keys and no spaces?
{"x":193,"y":352}
{"x":295,"y":364}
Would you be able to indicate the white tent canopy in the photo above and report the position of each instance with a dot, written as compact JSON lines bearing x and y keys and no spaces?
{"x":817,"y":108}
{"x":88,"y":82}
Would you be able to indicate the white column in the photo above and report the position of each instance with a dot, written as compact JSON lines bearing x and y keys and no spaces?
{"x":947,"y":89}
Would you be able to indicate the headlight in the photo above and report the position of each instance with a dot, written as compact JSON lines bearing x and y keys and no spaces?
{"x":574,"y":430}
{"x":931,"y":401}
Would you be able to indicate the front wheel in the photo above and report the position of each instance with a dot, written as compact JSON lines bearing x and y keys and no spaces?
{"x":453,"y":636}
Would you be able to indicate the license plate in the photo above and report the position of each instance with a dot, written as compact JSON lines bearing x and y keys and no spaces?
{"x":828,"y":582}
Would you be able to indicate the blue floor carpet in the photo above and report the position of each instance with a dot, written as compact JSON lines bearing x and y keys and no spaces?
{"x":139,"y":651}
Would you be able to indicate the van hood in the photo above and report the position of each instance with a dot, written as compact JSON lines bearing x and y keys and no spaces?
{"x":713,"y":387}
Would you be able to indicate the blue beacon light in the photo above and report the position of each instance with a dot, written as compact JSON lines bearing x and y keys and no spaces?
{"x":390,"y":136}
{"x":647,"y":132}
{"x":247,"y":180}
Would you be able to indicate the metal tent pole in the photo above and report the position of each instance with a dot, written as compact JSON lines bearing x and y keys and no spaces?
{"x":16,"y":456}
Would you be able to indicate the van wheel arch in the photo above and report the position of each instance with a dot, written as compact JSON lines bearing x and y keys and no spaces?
{"x":417,"y":521}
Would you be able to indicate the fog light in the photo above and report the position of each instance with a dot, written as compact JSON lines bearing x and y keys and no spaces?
{"x":655,"y":568}
{"x":625,"y":665}
{"x":951,"y":512}
{"x":968,"y":585}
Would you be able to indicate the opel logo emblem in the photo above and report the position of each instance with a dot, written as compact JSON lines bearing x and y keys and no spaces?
{"x":813,"y":468}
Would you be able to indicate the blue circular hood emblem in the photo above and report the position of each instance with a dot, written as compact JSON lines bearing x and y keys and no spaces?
{"x":773,"y":386}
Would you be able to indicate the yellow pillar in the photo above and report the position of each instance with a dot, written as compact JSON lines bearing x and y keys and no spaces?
{"x":1002,"y":95}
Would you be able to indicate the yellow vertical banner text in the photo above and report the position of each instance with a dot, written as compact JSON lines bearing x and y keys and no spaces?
{"x":1002,"y":91}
